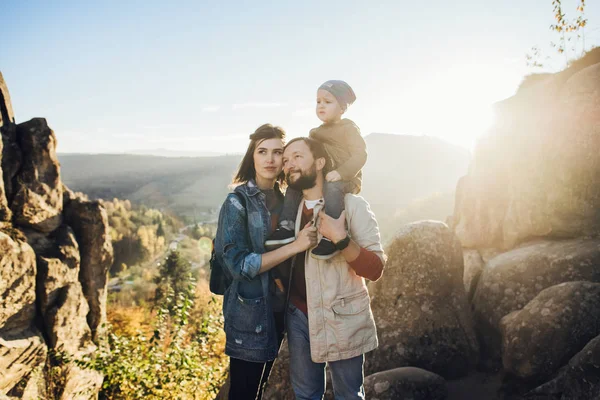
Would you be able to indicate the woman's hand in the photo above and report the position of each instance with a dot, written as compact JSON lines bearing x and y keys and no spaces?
{"x":307,"y":238}
{"x":333,"y":176}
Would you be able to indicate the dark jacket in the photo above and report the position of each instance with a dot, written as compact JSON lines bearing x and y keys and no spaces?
{"x":247,"y":305}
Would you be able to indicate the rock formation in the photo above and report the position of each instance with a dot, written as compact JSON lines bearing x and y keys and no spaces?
{"x":55,"y":252}
{"x":421,"y":310}
{"x":530,"y":209}
{"x":518,"y":270}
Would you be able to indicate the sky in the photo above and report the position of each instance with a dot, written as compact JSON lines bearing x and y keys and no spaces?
{"x":196,"y":76}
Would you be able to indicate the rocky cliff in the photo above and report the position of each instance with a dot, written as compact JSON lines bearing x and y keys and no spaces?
{"x":505,"y":302}
{"x":55,"y":252}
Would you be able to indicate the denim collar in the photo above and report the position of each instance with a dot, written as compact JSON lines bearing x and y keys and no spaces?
{"x":250,"y":188}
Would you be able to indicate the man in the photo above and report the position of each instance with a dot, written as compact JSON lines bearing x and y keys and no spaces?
{"x":329,"y":315}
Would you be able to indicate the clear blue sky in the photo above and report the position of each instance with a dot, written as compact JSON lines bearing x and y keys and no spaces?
{"x":118,"y":76}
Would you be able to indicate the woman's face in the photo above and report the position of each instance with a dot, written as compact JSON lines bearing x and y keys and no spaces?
{"x":268,"y":163}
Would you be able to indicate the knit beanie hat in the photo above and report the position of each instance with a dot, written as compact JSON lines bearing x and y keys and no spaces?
{"x":342,"y":92}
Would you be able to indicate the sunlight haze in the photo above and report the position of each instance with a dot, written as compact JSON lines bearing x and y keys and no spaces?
{"x":199,"y":77}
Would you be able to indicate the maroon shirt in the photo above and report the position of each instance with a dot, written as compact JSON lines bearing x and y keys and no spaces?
{"x":367,"y":265}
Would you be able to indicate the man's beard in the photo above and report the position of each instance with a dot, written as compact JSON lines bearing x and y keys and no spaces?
{"x":307,"y":179}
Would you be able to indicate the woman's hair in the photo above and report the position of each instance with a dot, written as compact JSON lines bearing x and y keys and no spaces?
{"x":246,"y":170}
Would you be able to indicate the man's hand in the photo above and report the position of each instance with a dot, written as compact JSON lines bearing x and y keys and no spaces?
{"x":333,"y":176}
{"x":333,"y":229}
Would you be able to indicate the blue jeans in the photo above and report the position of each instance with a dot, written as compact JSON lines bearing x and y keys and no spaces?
{"x":308,"y":377}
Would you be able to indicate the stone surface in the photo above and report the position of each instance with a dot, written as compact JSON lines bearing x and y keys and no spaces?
{"x":536,"y":173}
{"x":58,"y":264}
{"x":405,"y":383}
{"x":90,"y":224}
{"x":6,"y":112}
{"x":37,"y":201}
{"x":32,"y":387}
{"x":11,"y":159}
{"x":550,"y":329}
{"x":45,"y":266}
{"x":66,"y":322}
{"x":6,"y":126}
{"x":473,"y":269}
{"x":20,"y":354}
{"x":5,"y":213}
{"x":420,"y":306}
{"x":579,"y":380}
{"x":17,"y":283}
{"x":65,"y":309}
{"x":81,"y":384}
{"x":512,"y":279}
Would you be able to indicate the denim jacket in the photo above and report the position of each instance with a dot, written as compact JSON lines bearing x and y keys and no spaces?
{"x":247,"y":309}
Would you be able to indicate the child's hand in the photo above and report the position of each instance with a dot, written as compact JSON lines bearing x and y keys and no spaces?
{"x":333,"y":176}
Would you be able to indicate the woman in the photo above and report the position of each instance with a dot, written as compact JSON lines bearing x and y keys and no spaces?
{"x":253,"y":330}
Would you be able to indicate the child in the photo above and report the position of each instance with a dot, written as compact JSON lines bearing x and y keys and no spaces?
{"x":348,"y":154}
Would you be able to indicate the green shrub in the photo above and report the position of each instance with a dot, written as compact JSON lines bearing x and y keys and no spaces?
{"x":171,"y":364}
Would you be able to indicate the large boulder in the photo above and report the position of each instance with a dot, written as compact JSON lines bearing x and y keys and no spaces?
{"x":420,"y":306}
{"x":535,"y":173}
{"x":405,"y":383}
{"x":551,"y":329}
{"x":578,"y":380}
{"x":512,"y":279}
{"x":90,"y":224}
{"x":38,"y":201}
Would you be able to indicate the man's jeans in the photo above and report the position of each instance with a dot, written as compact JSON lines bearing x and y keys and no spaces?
{"x":308,"y":378}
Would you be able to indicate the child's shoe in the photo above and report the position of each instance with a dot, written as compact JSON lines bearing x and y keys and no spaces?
{"x":279,"y":237}
{"x":324,"y":250}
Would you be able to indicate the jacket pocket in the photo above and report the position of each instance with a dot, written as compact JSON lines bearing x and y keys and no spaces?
{"x":351,"y":305}
{"x":248,"y":322}
{"x":353,"y":322}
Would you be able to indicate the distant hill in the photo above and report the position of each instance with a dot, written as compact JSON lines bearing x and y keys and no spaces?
{"x":175,"y":153}
{"x":400,"y":169}
{"x":186,"y":185}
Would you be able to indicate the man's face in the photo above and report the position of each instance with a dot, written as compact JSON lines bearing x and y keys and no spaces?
{"x":299,"y":166}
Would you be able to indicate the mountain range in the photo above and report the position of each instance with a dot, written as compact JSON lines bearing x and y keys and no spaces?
{"x":400,"y":170}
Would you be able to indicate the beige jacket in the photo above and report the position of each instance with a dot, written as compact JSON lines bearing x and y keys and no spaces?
{"x":340,"y":320}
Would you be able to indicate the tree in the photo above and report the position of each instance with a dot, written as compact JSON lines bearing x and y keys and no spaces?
{"x":174,"y":276}
{"x":571,"y":31}
{"x":160,"y":231}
